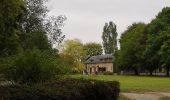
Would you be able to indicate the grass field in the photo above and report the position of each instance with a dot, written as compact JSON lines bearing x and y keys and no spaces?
{"x":134,"y":83}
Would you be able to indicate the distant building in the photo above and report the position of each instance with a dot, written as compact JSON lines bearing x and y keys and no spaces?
{"x":99,"y":64}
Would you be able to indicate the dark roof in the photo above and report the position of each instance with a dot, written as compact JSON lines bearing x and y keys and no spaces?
{"x":107,"y":58}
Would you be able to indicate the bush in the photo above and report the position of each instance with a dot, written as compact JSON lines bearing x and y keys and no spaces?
{"x":32,"y":66}
{"x":64,"y":89}
{"x":108,"y":73}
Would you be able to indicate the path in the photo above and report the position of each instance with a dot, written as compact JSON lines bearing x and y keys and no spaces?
{"x":146,"y":96}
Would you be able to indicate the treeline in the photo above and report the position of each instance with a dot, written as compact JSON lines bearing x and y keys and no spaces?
{"x":30,"y":68}
{"x":27,"y":36}
{"x":146,"y":47}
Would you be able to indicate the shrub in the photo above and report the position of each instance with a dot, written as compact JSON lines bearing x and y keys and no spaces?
{"x":32,"y":66}
{"x":64,"y":89}
{"x":108,"y":73}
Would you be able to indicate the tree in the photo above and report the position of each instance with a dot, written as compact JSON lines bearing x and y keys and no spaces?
{"x":11,"y":15}
{"x":26,"y":40}
{"x":165,"y":56}
{"x":109,"y":37}
{"x":36,"y":21}
{"x":75,"y":50}
{"x":34,"y":17}
{"x":150,"y":54}
{"x":92,"y":49}
{"x":131,"y":48}
{"x":157,"y":38}
{"x":164,"y":51}
{"x":53,"y":29}
{"x":36,"y":40}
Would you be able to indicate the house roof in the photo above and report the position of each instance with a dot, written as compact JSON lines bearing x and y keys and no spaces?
{"x":107,"y":58}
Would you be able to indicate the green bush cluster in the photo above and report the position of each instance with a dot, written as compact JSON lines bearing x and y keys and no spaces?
{"x":32,"y":66}
{"x":63,"y":89}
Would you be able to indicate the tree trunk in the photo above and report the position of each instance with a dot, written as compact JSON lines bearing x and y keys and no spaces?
{"x":150,"y":73}
{"x":136,"y":72}
{"x":167,"y":71}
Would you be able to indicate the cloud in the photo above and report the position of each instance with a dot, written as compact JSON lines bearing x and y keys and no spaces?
{"x":86,"y":18}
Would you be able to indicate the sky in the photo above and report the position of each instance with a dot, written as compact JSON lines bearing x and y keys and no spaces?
{"x":86,"y":18}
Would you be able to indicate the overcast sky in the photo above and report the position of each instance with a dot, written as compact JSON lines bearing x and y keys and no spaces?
{"x":86,"y":18}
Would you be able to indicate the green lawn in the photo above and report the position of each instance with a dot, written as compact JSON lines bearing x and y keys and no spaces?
{"x":134,"y":83}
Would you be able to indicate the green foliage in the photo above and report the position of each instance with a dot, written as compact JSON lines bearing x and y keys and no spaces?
{"x":11,"y":15}
{"x":164,"y":51}
{"x":25,"y":25}
{"x":146,"y":46}
{"x":35,"y":14}
{"x":64,"y":89}
{"x":35,"y":40}
{"x":33,"y":66}
{"x":92,"y":49}
{"x":74,"y":49}
{"x":109,"y":37}
{"x":26,"y":40}
{"x":36,"y":21}
{"x":158,"y":37}
{"x":131,"y":48}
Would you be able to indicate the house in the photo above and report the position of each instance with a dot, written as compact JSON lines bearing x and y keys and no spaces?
{"x":99,"y":64}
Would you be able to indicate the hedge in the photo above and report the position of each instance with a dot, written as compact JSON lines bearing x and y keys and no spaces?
{"x":63,"y":89}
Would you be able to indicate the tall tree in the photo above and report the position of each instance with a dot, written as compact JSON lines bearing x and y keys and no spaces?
{"x":11,"y":15}
{"x":131,"y":48}
{"x":37,"y":22}
{"x":34,"y":17}
{"x":92,"y":49}
{"x":109,"y":37}
{"x":157,"y":32}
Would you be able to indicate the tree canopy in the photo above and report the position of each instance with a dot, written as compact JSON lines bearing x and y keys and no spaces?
{"x":93,"y":49}
{"x":147,"y":45}
{"x":11,"y":15}
{"x":26,"y":33}
{"x":157,"y":36}
{"x":75,"y":50}
{"x":131,"y":47}
{"x":109,"y":37}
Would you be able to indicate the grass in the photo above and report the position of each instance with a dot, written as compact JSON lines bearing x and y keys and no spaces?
{"x":134,"y":83}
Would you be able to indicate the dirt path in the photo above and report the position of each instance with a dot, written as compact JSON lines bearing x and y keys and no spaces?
{"x":146,"y":96}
